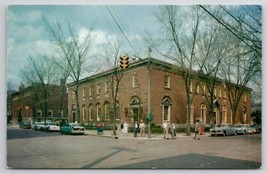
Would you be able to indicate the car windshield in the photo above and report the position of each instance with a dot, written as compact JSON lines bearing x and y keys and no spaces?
{"x":52,"y":124}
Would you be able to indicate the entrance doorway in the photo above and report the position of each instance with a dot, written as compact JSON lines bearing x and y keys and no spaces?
{"x":135,"y":106}
{"x":73,"y":116}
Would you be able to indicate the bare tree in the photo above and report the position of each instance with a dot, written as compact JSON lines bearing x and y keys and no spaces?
{"x":111,"y":54}
{"x":182,"y":46}
{"x":39,"y":74}
{"x":243,"y":64}
{"x":74,"y":51}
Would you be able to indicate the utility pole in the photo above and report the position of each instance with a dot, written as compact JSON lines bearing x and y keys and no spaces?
{"x":149,"y":93}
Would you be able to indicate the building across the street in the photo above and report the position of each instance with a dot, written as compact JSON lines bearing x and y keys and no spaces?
{"x":28,"y":104}
{"x":155,"y":88}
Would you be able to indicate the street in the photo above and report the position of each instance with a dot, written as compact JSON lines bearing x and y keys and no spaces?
{"x":34,"y":149}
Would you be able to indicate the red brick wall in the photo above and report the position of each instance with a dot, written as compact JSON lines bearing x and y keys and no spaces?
{"x":176,"y":92}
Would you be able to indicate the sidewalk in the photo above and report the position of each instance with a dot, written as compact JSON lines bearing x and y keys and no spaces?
{"x":130,"y":135}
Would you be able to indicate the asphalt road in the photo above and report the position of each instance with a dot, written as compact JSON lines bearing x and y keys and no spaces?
{"x":28,"y":149}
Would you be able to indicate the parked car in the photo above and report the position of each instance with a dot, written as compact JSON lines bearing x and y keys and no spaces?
{"x":25,"y":125}
{"x":257,"y":127}
{"x":223,"y":129}
{"x":53,"y":127}
{"x":36,"y":125}
{"x":41,"y":126}
{"x":240,"y":129}
{"x":72,"y":128}
{"x":249,"y":129}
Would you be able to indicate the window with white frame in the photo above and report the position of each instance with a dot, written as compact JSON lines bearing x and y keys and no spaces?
{"x":192,"y":114}
{"x":135,"y":80}
{"x":98,"y":112}
{"x":107,"y":111}
{"x":203,"y":112}
{"x":90,"y":90}
{"x":198,"y":89}
{"x":83,"y":112}
{"x":245,"y":97}
{"x":204,"y":89}
{"x":91,"y":112}
{"x":117,"y":111}
{"x":224,"y":94}
{"x":191,"y":87}
{"x":106,"y":86}
{"x":166,"y":109}
{"x":83,"y":91}
{"x":224,"y":114}
{"x":167,"y":81}
{"x":98,"y":88}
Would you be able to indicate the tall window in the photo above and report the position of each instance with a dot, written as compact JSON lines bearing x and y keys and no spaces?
{"x":91,"y":112}
{"x":215,"y":92}
{"x":98,"y":88}
{"x":73,"y":95}
{"x":224,"y":93}
{"x":203,"y":111}
{"x":191,"y":87}
{"x":106,"y":86}
{"x":98,"y":112}
{"x":83,"y":91}
{"x":197,"y":89}
{"x":204,"y":89}
{"x":245,"y":97}
{"x":135,"y":80}
{"x":166,"y":109}
{"x":90,"y":90}
{"x":224,"y":114}
{"x":107,"y":111}
{"x":192,"y":114}
{"x":83,"y":112}
{"x":167,"y":81}
{"x":117,"y":110}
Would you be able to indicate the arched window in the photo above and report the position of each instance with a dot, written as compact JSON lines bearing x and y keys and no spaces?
{"x":107,"y":111}
{"x":98,"y":112}
{"x":91,"y":112}
{"x":245,"y":115}
{"x":117,"y":110}
{"x":224,"y":114}
{"x":166,"y":109}
{"x":83,"y":112}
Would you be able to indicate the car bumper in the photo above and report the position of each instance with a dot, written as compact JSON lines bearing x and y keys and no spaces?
{"x":216,"y":133}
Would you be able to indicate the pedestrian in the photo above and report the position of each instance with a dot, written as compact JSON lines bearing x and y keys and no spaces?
{"x":197,"y":131}
{"x":165,"y":129}
{"x":135,"y":128}
{"x":125,"y":128}
{"x":142,"y":128}
{"x":173,"y":130}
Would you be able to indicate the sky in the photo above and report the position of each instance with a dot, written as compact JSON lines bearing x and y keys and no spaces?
{"x":27,"y":35}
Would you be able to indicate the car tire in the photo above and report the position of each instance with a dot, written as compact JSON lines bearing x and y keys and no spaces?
{"x":224,"y":134}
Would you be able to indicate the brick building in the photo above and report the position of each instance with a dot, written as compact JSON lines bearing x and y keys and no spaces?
{"x":167,"y":97}
{"x":26,"y":107}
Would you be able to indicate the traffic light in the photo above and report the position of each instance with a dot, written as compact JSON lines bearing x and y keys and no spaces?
{"x":124,"y":62}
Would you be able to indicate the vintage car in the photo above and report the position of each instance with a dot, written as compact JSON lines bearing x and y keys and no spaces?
{"x":240,"y":129}
{"x":25,"y":125}
{"x":223,"y":129}
{"x":245,"y":129}
{"x":72,"y":128}
{"x":53,"y":127}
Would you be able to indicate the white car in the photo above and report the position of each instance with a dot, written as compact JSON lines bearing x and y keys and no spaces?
{"x":53,"y":127}
{"x":223,"y":129}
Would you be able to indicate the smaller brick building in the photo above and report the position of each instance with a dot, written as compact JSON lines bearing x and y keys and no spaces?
{"x":27,"y":107}
{"x":158,"y":89}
